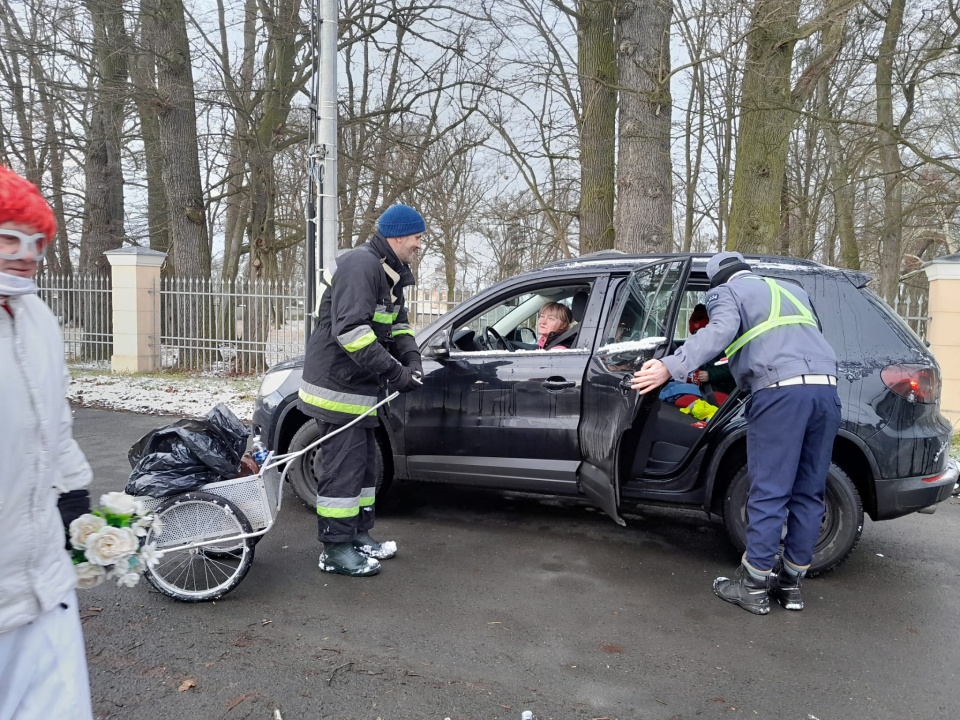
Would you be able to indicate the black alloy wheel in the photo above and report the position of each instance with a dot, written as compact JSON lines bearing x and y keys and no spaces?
{"x":304,"y":473}
{"x":840,"y":528}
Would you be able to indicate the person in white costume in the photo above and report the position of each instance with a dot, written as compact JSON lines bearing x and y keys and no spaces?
{"x":43,"y":473}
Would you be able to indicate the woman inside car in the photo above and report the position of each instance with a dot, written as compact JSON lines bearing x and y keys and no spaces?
{"x":554,"y":320}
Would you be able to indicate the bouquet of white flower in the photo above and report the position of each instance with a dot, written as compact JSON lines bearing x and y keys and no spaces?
{"x":108,"y":543}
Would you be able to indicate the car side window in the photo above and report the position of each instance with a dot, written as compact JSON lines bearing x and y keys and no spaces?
{"x":644,"y":305}
{"x":511,"y":324}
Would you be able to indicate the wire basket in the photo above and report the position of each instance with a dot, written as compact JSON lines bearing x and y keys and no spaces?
{"x":254,"y":495}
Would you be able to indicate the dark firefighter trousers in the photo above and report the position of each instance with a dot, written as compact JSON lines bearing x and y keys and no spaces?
{"x":790,"y":434}
{"x":348,"y":483}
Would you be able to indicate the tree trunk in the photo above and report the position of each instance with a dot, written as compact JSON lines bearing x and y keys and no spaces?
{"x":597,"y":70}
{"x":840,"y":183}
{"x":178,"y":142}
{"x":238,"y":205}
{"x":280,"y":71}
{"x":103,"y":198}
{"x":766,"y":117}
{"x":644,"y":171}
{"x":891,"y":227}
{"x":144,"y":76}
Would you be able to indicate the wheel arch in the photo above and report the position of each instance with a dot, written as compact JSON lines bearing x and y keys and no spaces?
{"x":849,"y":453}
{"x":293,"y":419}
{"x":856,"y":460}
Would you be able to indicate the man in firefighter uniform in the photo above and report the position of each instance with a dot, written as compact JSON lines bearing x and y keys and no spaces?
{"x":362,"y":343}
{"x":777,"y":353}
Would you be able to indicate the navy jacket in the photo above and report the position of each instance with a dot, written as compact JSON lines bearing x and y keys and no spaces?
{"x":778,"y":354}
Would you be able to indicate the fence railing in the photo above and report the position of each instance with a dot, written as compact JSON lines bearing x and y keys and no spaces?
{"x":244,"y":327}
{"x":82,"y":304}
{"x":912,"y":305}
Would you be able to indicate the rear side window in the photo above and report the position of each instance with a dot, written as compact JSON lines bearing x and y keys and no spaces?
{"x":896,"y":323}
{"x":858,"y":324}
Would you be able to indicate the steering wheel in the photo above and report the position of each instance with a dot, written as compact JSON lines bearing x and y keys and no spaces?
{"x":494,"y":340}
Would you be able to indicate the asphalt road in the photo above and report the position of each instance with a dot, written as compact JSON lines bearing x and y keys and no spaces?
{"x":499,"y":603}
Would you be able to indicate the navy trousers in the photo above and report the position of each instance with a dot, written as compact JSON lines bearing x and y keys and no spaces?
{"x":348,"y":483}
{"x":790,"y":436}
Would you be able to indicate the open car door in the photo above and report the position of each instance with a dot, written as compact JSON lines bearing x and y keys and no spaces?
{"x":638,"y":326}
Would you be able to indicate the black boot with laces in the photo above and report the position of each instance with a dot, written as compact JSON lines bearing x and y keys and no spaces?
{"x":744,"y":590}
{"x":785,"y":588}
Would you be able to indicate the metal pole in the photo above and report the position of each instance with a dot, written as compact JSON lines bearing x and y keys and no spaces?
{"x":312,"y":171}
{"x":327,"y":133}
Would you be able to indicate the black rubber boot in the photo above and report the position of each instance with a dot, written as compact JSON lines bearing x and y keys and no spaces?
{"x":785,"y":588}
{"x":373,"y":549}
{"x":744,"y":590}
{"x":344,"y":559}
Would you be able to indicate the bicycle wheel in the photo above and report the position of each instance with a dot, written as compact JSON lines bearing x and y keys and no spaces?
{"x":203,"y":573}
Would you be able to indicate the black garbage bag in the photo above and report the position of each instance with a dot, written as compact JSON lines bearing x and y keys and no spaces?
{"x":188,"y":454}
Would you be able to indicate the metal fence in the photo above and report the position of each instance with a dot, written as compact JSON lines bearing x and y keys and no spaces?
{"x":244,"y":327}
{"x":82,"y":304}
{"x":913,"y":302}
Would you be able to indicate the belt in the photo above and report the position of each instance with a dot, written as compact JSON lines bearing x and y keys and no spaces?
{"x":806,"y":380}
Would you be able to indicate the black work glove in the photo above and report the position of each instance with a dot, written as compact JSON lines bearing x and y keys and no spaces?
{"x":413,"y":361}
{"x":72,"y":505}
{"x":403,"y":379}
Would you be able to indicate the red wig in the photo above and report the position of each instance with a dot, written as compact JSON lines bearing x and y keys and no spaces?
{"x":21,"y":202}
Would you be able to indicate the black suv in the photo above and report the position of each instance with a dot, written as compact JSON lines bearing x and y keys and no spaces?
{"x":497,"y":412}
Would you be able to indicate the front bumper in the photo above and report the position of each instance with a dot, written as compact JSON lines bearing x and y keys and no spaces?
{"x":902,"y":496}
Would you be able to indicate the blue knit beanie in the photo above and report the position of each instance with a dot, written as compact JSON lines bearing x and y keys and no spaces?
{"x":400,"y":221}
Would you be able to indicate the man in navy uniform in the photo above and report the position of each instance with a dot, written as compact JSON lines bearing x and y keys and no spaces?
{"x":777,"y":353}
{"x":363,"y":343}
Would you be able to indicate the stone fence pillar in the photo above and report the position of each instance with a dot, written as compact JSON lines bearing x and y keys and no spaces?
{"x":943,"y":329}
{"x":136,"y":273}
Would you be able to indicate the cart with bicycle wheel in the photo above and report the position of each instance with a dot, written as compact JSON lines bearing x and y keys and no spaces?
{"x":206,"y":537}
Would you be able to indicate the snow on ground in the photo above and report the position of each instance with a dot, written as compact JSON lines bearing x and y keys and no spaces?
{"x":162,"y":394}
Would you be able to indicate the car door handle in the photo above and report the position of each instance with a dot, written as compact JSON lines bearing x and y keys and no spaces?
{"x":625,"y":385}
{"x":558,"y":384}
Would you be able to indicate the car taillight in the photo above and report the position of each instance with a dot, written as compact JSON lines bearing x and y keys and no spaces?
{"x":916,"y":383}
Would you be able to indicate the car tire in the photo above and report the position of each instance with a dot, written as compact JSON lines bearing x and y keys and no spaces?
{"x":303,"y":473}
{"x":839,"y":532}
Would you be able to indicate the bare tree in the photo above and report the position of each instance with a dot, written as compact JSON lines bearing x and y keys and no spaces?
{"x":178,"y":141}
{"x":597,"y":70}
{"x":644,"y":169}
{"x":769,"y":106}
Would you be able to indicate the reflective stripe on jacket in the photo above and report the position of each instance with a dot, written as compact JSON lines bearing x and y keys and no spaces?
{"x":781,"y":352}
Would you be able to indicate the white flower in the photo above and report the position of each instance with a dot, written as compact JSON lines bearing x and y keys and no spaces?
{"x":120,"y":503}
{"x":128,"y":580}
{"x":109,"y":544}
{"x":83,"y":527}
{"x":89,"y":575}
{"x":143,"y":525}
{"x":120,"y":567}
{"x":149,"y":555}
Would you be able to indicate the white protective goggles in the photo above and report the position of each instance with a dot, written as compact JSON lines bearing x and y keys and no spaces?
{"x":22,"y":242}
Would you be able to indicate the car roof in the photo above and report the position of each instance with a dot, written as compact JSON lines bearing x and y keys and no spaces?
{"x":616,"y":261}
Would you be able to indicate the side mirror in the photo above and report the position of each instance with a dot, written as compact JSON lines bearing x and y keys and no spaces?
{"x":436,"y":348}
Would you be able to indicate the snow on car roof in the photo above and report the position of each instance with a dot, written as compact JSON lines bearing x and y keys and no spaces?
{"x":609,"y":259}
